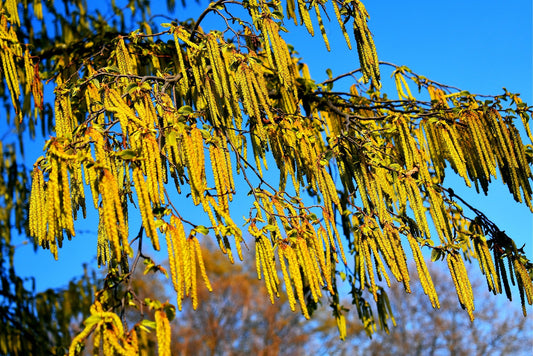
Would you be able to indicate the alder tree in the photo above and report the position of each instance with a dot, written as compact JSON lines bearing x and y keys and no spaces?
{"x":210,"y":115}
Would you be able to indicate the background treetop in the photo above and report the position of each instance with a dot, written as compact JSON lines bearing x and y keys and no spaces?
{"x":340,"y":181}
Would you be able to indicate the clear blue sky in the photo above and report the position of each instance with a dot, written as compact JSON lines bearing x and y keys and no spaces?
{"x":479,"y":46}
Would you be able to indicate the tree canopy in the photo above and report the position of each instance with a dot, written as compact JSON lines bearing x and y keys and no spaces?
{"x":341,"y":182}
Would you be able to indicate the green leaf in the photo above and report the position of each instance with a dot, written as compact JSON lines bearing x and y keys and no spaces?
{"x":170,"y":310}
{"x":270,"y":227}
{"x":201,"y":230}
{"x":146,"y":325}
{"x":435,"y":254}
{"x":93,"y":319}
{"x":127,"y":154}
{"x":185,"y":110}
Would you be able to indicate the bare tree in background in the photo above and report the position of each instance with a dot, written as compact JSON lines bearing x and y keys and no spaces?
{"x":499,"y":327}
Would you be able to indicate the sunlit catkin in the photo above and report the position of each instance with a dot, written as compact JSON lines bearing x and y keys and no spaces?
{"x":125,"y":62}
{"x":288,"y":284}
{"x":423,"y":272}
{"x":163,"y":332}
{"x":113,"y":227}
{"x":37,"y":218}
{"x":145,"y":207}
{"x":192,"y":288}
{"x":461,"y":281}
{"x":201,"y":265}
{"x":294,"y":269}
{"x":525,"y":286}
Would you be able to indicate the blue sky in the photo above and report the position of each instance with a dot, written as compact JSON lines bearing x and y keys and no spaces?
{"x":479,"y":46}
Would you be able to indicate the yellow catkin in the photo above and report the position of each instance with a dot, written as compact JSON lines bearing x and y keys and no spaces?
{"x":97,"y":341}
{"x":189,"y":153}
{"x":78,"y":339}
{"x":67,"y":222}
{"x":399,"y":254}
{"x":385,"y":182}
{"x":288,"y":285}
{"x":184,"y":81}
{"x":271,"y":265}
{"x":405,"y":139}
{"x":321,"y":25}
{"x":124,"y":60}
{"x":29,"y":73}
{"x":211,"y":98}
{"x":331,"y":188}
{"x":116,"y":104}
{"x":485,"y":263}
{"x":179,"y":241}
{"x":361,"y":186}
{"x":455,"y":154}
{"x":217,"y":66}
{"x":525,"y":286}
{"x":145,"y":207}
{"x":256,"y":114}
{"x":107,"y":348}
{"x":322,"y":249}
{"x":163,"y":332}
{"x":103,"y":254}
{"x":93,"y":102}
{"x":383,"y":243}
{"x":294,"y":269}
{"x":304,"y":15}
{"x":174,"y":261}
{"x":63,"y":112}
{"x":108,"y":212}
{"x":480,"y":143}
{"x":150,"y":116}
{"x":77,"y":190}
{"x":8,"y":65}
{"x":11,"y":7}
{"x":200,"y":259}
{"x":111,"y":337}
{"x":154,"y":169}
{"x":368,"y":265}
{"x":53,"y":199}
{"x":91,"y":180}
{"x":133,"y":343}
{"x":196,"y":162}
{"x":423,"y":272}
{"x":260,"y":88}
{"x":435,"y":149}
{"x":254,"y":10}
{"x":439,"y":216}
{"x":262,"y":257}
{"x":461,"y":282}
{"x":493,"y":118}
{"x":229,"y":223}
{"x":246,"y":94}
{"x":259,"y":253}
{"x":380,"y":267}
{"x":188,"y":262}
{"x":280,"y":58}
{"x":416,"y":203}
{"x":193,"y":288}
{"x":229,"y":171}
{"x":311,"y":269}
{"x":219,"y":173}
{"x":365,"y":45}
{"x":37,"y":218}
{"x":316,"y":254}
